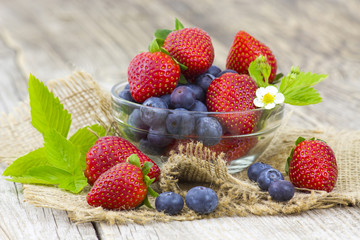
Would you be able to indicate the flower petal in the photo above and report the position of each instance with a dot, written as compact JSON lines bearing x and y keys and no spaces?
{"x":270,"y":106}
{"x":279,"y":98}
{"x":258,"y":102}
{"x":272,"y":90}
{"x":260,"y":92}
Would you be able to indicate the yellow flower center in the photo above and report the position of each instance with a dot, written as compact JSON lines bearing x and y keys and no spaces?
{"x":268,"y":98}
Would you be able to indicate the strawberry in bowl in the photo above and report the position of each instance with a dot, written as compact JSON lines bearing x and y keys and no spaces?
{"x":234,"y":111}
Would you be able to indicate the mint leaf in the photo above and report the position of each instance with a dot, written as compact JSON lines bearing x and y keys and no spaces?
{"x":85,"y":138}
{"x":21,"y":165}
{"x":46,"y":110}
{"x":61,"y":153}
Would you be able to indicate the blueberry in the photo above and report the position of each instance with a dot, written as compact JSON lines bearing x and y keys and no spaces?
{"x":153,"y":111}
{"x":166,"y":99}
{"x":126,"y":94}
{"x":182,"y":97}
{"x":281,"y":190}
{"x":201,"y":199}
{"x":158,"y":136}
{"x":267,"y":176}
{"x":169,"y":202}
{"x":180,"y":122}
{"x":146,"y":147}
{"x":199,"y":107}
{"x":209,"y":130}
{"x":255,"y":169}
{"x":214,"y":70}
{"x":226,"y":71}
{"x":199,"y":92}
{"x":138,"y":128}
{"x":204,"y":80}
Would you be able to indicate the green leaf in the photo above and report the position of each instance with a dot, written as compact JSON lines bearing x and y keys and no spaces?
{"x":61,"y":153}
{"x":287,"y":165}
{"x":297,"y":87}
{"x":84,"y":139}
{"x":178,"y":24}
{"x":161,"y":34}
{"x":64,"y":179}
{"x":46,"y":109}
{"x":259,"y":70}
{"x":134,"y":160}
{"x":21,"y":165}
{"x":146,"y":168}
{"x":182,"y":79}
{"x":299,"y":140}
{"x":154,"y":46}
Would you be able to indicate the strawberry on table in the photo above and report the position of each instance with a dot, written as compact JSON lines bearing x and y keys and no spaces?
{"x":245,"y":49}
{"x":312,"y":165}
{"x":109,"y":151}
{"x":191,"y":47}
{"x":124,"y":186}
{"x":152,"y":74}
{"x":232,"y":92}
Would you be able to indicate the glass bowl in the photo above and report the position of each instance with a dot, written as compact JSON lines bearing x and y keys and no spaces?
{"x":241,"y":150}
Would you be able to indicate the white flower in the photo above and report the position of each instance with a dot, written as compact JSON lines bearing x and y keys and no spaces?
{"x":268,"y":97}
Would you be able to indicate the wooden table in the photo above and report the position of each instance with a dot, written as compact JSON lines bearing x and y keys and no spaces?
{"x":51,"y":39}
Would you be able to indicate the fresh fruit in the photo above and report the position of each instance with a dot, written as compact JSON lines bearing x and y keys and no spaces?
{"x":201,"y":199}
{"x":158,"y":136}
{"x":231,"y":93}
{"x":191,"y":47}
{"x":209,"y":130}
{"x":255,"y":169}
{"x":153,"y":111}
{"x":182,"y":97}
{"x":198,"y":91}
{"x":169,"y":202}
{"x":180,"y":122}
{"x":245,"y":49}
{"x":312,"y":165}
{"x":122,"y":187}
{"x":267,"y":176}
{"x":152,"y":74}
{"x":109,"y":151}
{"x":281,"y":190}
{"x":234,"y":148}
{"x":214,"y":70}
{"x":204,"y":80}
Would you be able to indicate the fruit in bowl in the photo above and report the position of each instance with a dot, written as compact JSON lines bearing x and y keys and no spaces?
{"x":174,"y":94}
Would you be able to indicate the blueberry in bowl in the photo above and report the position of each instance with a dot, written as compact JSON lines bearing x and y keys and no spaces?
{"x":161,"y":124}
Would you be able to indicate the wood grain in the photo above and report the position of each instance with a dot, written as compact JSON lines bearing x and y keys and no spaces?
{"x":51,"y":39}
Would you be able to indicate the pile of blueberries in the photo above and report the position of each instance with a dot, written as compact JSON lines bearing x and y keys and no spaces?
{"x":201,"y":200}
{"x":271,"y":180}
{"x":155,"y":127}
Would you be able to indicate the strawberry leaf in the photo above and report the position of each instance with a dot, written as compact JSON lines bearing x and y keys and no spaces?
{"x":134,"y":160}
{"x":297,"y":87}
{"x":259,"y":70}
{"x":299,"y":140}
{"x":154,"y":46}
{"x":178,"y":24}
{"x":46,"y":109}
{"x":161,"y":34}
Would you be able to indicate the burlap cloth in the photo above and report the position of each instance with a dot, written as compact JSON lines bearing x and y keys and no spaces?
{"x":191,"y":165}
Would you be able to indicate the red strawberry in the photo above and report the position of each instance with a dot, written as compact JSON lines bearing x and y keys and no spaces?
{"x":122,"y":187}
{"x":229,"y":93}
{"x":246,"y":49}
{"x":234,"y":148}
{"x":152,"y":74}
{"x":312,"y":165}
{"x":191,"y":47}
{"x":109,"y":151}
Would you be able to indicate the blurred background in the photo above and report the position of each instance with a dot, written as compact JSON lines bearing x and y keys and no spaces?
{"x":52,"y":39}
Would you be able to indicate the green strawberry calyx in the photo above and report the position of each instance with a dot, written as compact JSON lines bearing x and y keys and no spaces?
{"x":134,"y":160}
{"x":296,"y":86}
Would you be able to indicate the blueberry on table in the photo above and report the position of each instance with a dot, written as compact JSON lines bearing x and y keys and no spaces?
{"x":169,"y":202}
{"x":208,"y":130}
{"x":281,"y":190}
{"x":182,"y":97}
{"x":204,"y":80}
{"x":255,"y":169}
{"x":201,"y":199}
{"x":268,"y":176}
{"x":214,"y":70}
{"x":180,"y":122}
{"x":153,"y":111}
